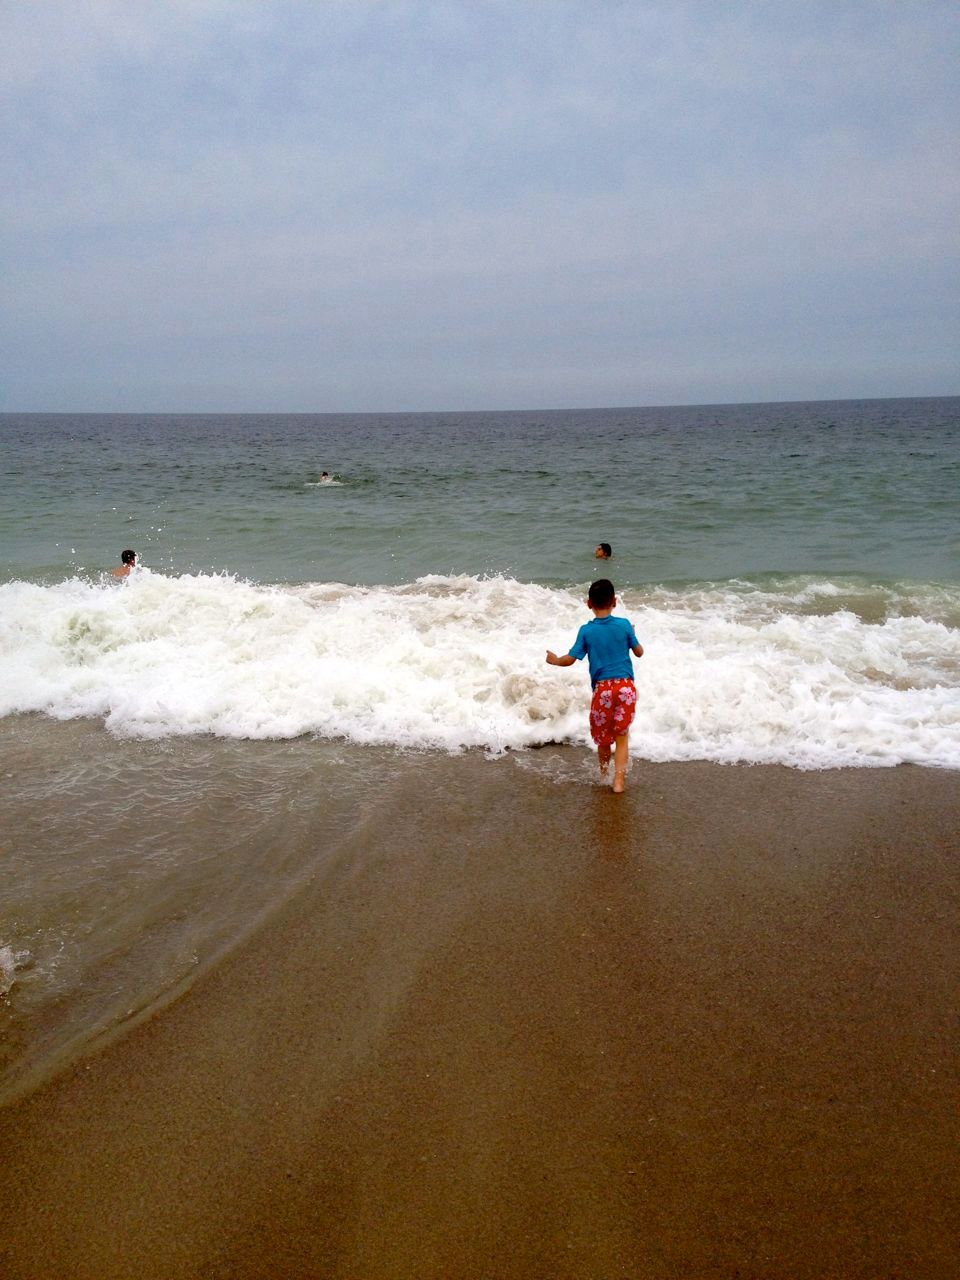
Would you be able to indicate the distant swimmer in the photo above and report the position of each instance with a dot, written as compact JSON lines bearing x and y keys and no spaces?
{"x":128,"y":561}
{"x":603,"y":552}
{"x":326,"y":478}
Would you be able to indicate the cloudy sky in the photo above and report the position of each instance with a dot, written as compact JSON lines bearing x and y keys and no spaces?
{"x":321,"y":205}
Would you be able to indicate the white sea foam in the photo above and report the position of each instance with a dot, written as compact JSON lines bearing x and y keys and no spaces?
{"x":10,"y":962}
{"x":731,"y":672}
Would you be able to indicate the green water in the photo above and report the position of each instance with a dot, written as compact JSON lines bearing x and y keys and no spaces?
{"x":682,"y":494}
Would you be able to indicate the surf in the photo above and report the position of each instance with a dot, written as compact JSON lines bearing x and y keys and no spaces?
{"x":787,"y":673}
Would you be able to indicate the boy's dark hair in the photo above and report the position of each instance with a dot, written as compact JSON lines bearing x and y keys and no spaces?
{"x":601,"y":594}
{"x":606,"y":548}
{"x":127,"y":557}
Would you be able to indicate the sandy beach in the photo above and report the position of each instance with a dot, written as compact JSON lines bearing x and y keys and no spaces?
{"x":521,"y":1028}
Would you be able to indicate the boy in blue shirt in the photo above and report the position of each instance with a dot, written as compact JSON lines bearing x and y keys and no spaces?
{"x":608,"y":643}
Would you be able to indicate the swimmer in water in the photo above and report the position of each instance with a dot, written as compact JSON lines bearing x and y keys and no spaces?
{"x":325,"y":478}
{"x":603,"y":551}
{"x":128,"y":561}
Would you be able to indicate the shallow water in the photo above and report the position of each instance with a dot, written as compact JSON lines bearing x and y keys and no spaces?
{"x":130,"y":866}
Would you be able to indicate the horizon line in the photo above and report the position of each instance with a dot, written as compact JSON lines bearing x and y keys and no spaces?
{"x":320,"y":413}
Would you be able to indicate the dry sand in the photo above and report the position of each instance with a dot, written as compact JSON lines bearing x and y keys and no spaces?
{"x":528,"y":1029}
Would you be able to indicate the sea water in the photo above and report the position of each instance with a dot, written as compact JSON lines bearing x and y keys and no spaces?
{"x":173,"y":743}
{"x":793,"y":571}
{"x":683,"y":494}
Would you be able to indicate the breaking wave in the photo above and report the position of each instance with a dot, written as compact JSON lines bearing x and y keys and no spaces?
{"x":802,"y":672}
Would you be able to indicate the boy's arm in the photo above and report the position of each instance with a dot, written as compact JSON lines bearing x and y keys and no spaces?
{"x":637,"y":650}
{"x":577,"y":650}
{"x":565,"y":660}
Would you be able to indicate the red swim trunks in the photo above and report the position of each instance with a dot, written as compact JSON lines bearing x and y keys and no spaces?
{"x":611,"y":711}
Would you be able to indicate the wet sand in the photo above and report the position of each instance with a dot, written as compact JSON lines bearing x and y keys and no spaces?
{"x":521,"y":1028}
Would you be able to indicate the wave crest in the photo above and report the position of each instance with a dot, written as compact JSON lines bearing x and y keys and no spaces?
{"x":812,"y":674}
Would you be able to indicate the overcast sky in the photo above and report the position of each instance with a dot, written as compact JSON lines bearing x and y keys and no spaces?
{"x":303,"y":205}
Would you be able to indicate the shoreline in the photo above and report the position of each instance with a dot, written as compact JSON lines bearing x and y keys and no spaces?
{"x":519,"y":1027}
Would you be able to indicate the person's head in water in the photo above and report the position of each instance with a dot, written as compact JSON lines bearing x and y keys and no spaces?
{"x":603,"y":551}
{"x":128,"y":560}
{"x":601,"y":595}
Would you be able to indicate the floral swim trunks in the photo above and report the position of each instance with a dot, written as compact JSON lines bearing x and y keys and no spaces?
{"x":611,"y":711}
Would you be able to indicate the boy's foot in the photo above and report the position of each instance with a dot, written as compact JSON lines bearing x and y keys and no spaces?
{"x":618,"y":780}
{"x":604,"y":765}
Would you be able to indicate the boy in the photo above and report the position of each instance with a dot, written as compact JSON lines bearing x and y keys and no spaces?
{"x":128,"y":561}
{"x":608,"y":643}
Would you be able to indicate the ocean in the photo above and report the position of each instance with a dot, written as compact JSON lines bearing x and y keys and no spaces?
{"x":181,"y":748}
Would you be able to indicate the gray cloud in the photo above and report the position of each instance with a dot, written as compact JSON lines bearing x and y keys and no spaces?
{"x":397,"y":205}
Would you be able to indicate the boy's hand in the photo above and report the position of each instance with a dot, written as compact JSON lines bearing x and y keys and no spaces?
{"x":567,"y":660}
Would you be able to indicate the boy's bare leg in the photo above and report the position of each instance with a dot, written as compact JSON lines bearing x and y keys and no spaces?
{"x":603,"y":755}
{"x":621,"y":754}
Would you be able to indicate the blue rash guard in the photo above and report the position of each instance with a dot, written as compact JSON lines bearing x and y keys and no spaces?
{"x":607,"y":643}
